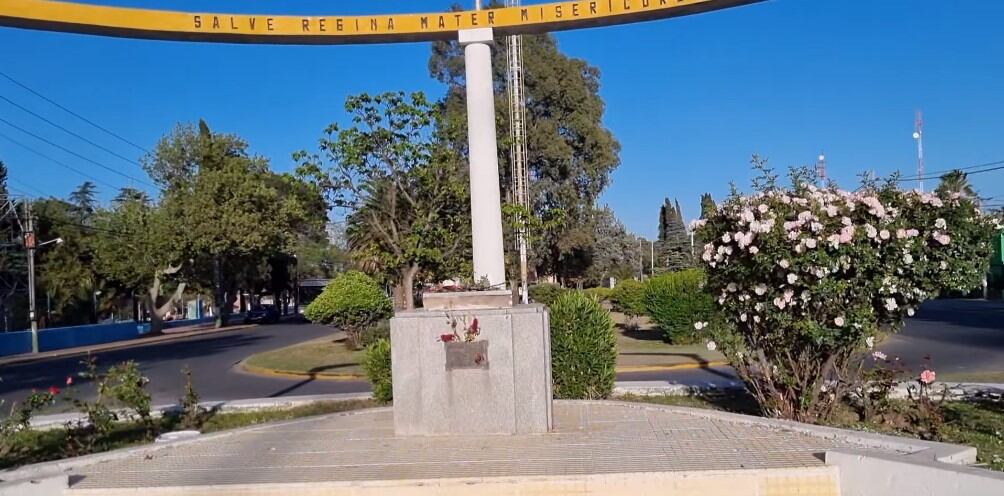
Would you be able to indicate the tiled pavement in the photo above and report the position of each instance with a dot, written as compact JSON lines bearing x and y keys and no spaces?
{"x":589,"y":438}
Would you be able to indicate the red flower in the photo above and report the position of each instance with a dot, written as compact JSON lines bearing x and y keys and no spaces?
{"x":474,"y":328}
{"x":446,"y":338}
{"x":69,"y":380}
{"x":53,"y":390}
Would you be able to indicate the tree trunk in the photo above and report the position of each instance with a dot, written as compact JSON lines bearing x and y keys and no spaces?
{"x":219,"y":299}
{"x":406,"y":289}
{"x":244,"y":303}
{"x":153,"y":295}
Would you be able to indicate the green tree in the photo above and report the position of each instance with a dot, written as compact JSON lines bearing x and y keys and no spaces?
{"x":13,"y":262}
{"x":708,"y":207}
{"x":225,"y":208}
{"x":956,"y":182}
{"x":403,"y":187}
{"x":66,"y":278}
{"x":615,"y":251}
{"x":569,"y":151}
{"x":135,"y":252}
{"x":673,"y":246}
{"x":128,"y":194}
{"x":84,"y":200}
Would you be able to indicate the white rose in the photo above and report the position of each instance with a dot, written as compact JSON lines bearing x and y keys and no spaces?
{"x":839,"y":321}
{"x":940,"y":223}
{"x":792,"y":278}
{"x":712,"y":346}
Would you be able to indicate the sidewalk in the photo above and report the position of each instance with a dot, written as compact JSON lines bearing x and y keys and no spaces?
{"x":168,"y":335}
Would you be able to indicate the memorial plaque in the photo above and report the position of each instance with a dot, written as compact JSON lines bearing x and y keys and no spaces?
{"x":473,"y":355}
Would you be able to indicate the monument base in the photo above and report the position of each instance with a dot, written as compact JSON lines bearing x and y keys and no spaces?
{"x":499,"y":383}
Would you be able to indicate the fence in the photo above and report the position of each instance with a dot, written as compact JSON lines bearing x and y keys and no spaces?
{"x":13,"y":343}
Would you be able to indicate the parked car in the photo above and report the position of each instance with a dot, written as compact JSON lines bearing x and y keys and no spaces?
{"x":264,"y":314}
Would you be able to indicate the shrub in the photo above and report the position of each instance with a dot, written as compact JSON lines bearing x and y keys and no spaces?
{"x":675,"y":301}
{"x":583,"y":348}
{"x":352,"y":302}
{"x":806,"y":278}
{"x":627,"y":297}
{"x":126,"y":385}
{"x":374,"y":333}
{"x":546,"y":293}
{"x":376,"y":364}
{"x":19,"y":421}
{"x":601,"y":294}
{"x":191,"y":414}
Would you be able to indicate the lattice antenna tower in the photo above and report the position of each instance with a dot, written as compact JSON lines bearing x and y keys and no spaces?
{"x":821,"y":169}
{"x":918,"y":135}
{"x":519,"y":189}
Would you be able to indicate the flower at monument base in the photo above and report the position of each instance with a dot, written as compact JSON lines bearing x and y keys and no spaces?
{"x":69,"y":380}
{"x":447,"y":338}
{"x":712,"y":346}
{"x":927,"y":376}
{"x":53,"y":390}
{"x":878,"y":355}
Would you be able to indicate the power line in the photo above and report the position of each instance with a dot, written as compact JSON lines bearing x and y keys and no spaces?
{"x":26,"y":185}
{"x":938,"y":174}
{"x":71,"y":152}
{"x":969,"y":173}
{"x":78,"y":116}
{"x":71,"y":133}
{"x":57,"y":162}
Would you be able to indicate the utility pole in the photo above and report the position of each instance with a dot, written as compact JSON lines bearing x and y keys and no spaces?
{"x":918,"y":135}
{"x":641,"y":262}
{"x":30,"y":243}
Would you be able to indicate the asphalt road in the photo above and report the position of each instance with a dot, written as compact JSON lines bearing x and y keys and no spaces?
{"x":960,"y":336}
{"x":213,"y":359}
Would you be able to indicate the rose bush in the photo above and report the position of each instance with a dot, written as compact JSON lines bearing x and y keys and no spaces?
{"x":806,"y":278}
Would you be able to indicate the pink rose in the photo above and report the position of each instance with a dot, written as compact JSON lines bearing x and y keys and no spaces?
{"x":927,"y":376}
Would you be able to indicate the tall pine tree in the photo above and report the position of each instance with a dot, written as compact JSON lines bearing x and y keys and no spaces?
{"x":674,"y":251}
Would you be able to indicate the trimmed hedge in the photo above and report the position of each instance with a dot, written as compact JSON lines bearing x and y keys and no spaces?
{"x":675,"y":301}
{"x":629,"y":297}
{"x":583,"y":348}
{"x":352,"y":302}
{"x":376,"y":364}
{"x":546,"y":293}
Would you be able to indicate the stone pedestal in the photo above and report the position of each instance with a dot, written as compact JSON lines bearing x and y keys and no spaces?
{"x":498,"y":384}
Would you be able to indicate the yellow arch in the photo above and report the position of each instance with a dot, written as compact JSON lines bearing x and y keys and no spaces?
{"x":335,"y":29}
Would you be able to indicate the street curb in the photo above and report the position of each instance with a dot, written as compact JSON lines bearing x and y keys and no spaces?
{"x":266,"y":372}
{"x":118,"y":345}
{"x":677,"y":366}
{"x":954,"y":390}
{"x":58,"y":420}
{"x":57,"y":467}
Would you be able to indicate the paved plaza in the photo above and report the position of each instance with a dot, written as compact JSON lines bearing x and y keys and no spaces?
{"x":589,"y":439}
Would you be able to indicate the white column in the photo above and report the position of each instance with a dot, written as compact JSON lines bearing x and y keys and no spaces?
{"x":486,"y":204}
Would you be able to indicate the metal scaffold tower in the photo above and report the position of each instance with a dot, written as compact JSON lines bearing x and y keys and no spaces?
{"x":519,"y":189}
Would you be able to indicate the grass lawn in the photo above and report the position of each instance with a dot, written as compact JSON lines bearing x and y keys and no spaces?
{"x":978,"y":423}
{"x":639,"y":346}
{"x":324,"y":357}
{"x":995,"y":377}
{"x":47,"y":445}
{"x":642,"y":345}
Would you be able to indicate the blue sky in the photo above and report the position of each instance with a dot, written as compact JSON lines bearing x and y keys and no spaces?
{"x":690,"y":99}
